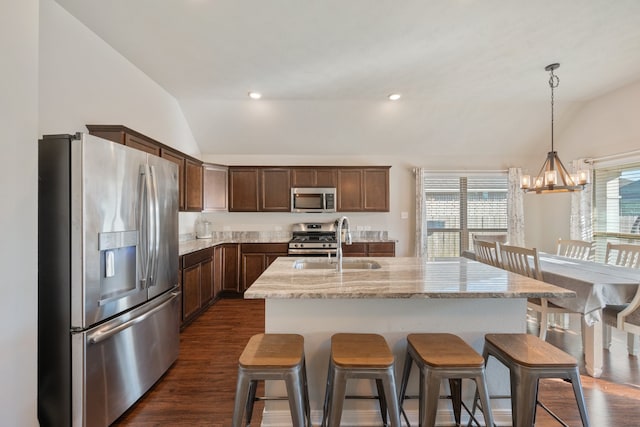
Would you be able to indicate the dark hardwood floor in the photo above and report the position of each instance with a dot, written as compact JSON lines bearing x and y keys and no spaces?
{"x":199,"y":388}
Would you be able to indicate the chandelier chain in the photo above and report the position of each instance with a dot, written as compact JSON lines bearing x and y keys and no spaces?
{"x":554,"y":81}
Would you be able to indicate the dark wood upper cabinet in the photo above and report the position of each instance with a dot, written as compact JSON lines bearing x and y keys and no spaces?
{"x":243,"y":189}
{"x":313,"y":177}
{"x":193,"y":186}
{"x":350,"y":194}
{"x":363,"y":189}
{"x":189,"y":168}
{"x":142,"y":144}
{"x":178,"y":159}
{"x":214,"y":193}
{"x":275,"y":190}
{"x":375,"y":189}
{"x":259,"y":189}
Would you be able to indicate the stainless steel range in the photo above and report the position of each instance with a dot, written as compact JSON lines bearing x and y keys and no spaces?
{"x":313,"y":239}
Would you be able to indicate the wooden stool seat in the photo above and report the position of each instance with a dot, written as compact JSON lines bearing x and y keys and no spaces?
{"x":272,"y":357}
{"x":444,"y":350}
{"x":529,"y":350}
{"x":360,"y":356}
{"x":360,"y":350}
{"x":442,"y":356}
{"x":273,"y":350}
{"x":529,"y":359}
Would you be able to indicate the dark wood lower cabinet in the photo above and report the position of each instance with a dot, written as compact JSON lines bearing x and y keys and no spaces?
{"x":230,"y":268}
{"x":256,"y":257}
{"x":372,"y":249}
{"x":230,"y":261}
{"x":197,"y":283}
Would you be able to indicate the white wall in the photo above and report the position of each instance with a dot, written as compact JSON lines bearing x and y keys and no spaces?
{"x":84,"y":81}
{"x":18,"y":190}
{"x":604,"y":126}
{"x":106,"y":90}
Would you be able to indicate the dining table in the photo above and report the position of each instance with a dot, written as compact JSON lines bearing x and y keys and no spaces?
{"x":596,"y":285}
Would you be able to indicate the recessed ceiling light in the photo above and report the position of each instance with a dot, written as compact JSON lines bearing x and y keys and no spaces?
{"x":394,"y":96}
{"x":255,"y":95}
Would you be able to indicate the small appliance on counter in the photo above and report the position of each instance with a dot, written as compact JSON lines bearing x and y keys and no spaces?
{"x":203,"y":229}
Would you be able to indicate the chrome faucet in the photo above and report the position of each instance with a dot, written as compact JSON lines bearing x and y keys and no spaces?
{"x":347,"y":240}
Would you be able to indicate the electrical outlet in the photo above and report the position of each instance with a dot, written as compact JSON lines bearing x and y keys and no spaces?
{"x":404,"y":215}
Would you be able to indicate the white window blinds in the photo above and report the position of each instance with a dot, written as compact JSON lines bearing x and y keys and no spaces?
{"x":616,"y":206}
{"x":458,"y":206}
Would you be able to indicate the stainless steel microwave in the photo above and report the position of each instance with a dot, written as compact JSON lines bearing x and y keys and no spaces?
{"x":309,"y":199}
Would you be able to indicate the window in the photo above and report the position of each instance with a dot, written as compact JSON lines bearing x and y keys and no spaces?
{"x":616,"y":206}
{"x":457,"y":206}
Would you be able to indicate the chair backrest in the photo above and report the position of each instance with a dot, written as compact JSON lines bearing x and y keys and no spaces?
{"x":625,"y":255}
{"x":500,"y":238}
{"x":520,"y":260}
{"x":577,"y":249}
{"x":487,"y":252}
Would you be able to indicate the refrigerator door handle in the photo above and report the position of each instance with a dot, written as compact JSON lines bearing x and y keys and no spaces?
{"x":154,"y":226}
{"x":146,"y":209}
{"x":102,"y":335}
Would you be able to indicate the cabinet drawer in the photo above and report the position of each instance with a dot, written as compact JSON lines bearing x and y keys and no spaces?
{"x":196,"y":257}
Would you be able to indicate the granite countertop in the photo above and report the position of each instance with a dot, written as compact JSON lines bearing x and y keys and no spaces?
{"x":188,"y":243}
{"x":398,"y":277}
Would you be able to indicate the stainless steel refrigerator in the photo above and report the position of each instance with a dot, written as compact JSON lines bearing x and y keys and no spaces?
{"x":108,"y":296}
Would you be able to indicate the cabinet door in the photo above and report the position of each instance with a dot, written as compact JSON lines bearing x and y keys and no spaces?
{"x":215,"y":188}
{"x":190,"y":291}
{"x":275,"y":190}
{"x":206,"y":282}
{"x":350,"y":198}
{"x":231,"y":276}
{"x":180,"y":161}
{"x":243,"y":189}
{"x":381,"y":249}
{"x":218,"y":269}
{"x":376,"y":189}
{"x":252,"y":267}
{"x":193,"y":186}
{"x":327,"y":177}
{"x":141,"y":144}
{"x":354,"y":250}
{"x":303,"y":177}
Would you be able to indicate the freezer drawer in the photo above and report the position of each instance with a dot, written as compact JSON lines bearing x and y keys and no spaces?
{"x":119,"y":361}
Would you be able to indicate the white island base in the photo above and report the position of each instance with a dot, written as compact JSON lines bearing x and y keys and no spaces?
{"x":317,"y":319}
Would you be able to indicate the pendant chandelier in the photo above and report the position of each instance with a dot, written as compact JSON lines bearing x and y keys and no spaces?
{"x":553,"y":176}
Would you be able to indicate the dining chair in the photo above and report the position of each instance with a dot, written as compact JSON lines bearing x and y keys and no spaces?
{"x":616,"y":316}
{"x":622,"y":254}
{"x":487,"y":252}
{"x":499,"y":237}
{"x":526,"y":262}
{"x":577,"y":249}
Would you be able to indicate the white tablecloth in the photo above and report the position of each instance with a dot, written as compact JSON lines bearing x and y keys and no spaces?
{"x":595,"y":284}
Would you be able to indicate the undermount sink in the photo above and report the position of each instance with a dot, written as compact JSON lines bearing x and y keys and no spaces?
{"x":326,"y":264}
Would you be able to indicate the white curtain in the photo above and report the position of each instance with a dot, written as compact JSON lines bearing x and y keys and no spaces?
{"x":580,"y":222}
{"x":515,"y":209}
{"x":421,"y":224}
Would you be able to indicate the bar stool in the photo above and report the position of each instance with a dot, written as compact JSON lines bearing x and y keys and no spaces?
{"x":360,"y":356}
{"x":273,"y":357}
{"x":529,"y":358}
{"x":443,"y":356}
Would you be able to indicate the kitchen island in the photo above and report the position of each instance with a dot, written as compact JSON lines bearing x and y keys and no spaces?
{"x":401,"y":296}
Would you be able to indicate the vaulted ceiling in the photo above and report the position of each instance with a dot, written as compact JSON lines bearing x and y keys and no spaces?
{"x":469,"y":71}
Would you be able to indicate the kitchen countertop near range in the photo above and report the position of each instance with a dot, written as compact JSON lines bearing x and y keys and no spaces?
{"x":188,"y":243}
